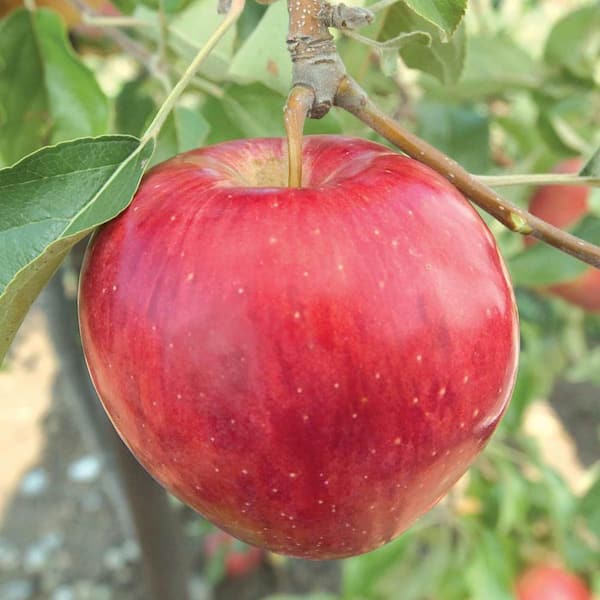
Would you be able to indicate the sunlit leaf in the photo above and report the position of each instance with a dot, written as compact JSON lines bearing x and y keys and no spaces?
{"x":48,"y":202}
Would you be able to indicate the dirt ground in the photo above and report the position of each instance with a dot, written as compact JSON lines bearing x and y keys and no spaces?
{"x":65,"y":528}
{"x":60,"y":535}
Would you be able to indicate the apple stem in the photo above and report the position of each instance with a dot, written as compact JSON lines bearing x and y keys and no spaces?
{"x":316,"y":64}
{"x":538,"y":179}
{"x":351,"y":97}
{"x":317,"y":69}
{"x":299,"y":103}
{"x":234,"y":11}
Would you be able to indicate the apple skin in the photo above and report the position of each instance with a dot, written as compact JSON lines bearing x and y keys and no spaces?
{"x":551,"y":583}
{"x":563,"y":206}
{"x":311,"y":369}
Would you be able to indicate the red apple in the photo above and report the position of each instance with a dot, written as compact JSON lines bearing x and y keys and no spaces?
{"x":237,"y":561}
{"x":564,"y":206}
{"x":311,"y":369}
{"x":551,"y":583}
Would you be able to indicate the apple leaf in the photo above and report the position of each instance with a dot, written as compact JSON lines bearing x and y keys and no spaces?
{"x":169,"y":6}
{"x":521,"y":132}
{"x":190,"y":29}
{"x":487,"y":576}
{"x":263,"y":57}
{"x":249,"y":19}
{"x":49,"y":201}
{"x":587,"y":368}
{"x":444,"y":14}
{"x":125,"y":6}
{"x":574,"y":42}
{"x":362,"y":572}
{"x":134,"y":107}
{"x":446,"y":127}
{"x":566,"y":123}
{"x":534,"y":380}
{"x":513,"y":498}
{"x":582,"y":540}
{"x":589,"y":508}
{"x":185,"y":129}
{"x":442,"y":57}
{"x":390,"y":48}
{"x":544,"y":265}
{"x":47,"y":93}
{"x":255,"y":111}
{"x":560,"y":501}
{"x":592,"y":167}
{"x":419,"y":571}
{"x":494,"y":66}
{"x":317,"y":596}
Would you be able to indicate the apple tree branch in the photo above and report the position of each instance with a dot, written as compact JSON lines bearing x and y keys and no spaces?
{"x":352,"y":98}
{"x":318,"y":68}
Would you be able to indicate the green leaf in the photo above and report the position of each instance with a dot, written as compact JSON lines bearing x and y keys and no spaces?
{"x":565,"y":124}
{"x":301,"y":597}
{"x":264,"y":57}
{"x":189,"y":31}
{"x":574,"y":42}
{"x":583,"y":539}
{"x":494,"y":66}
{"x":451,"y":584}
{"x":213,"y":111}
{"x":587,"y":368}
{"x":447,"y":127}
{"x":125,"y":6}
{"x":48,"y":202}
{"x":389,"y":49}
{"x":249,"y":19}
{"x":362,"y":572}
{"x":441,"y":57}
{"x":47,"y":94}
{"x":523,"y":138}
{"x":185,"y":129}
{"x":490,"y":574}
{"x":560,"y":502}
{"x":513,"y":500}
{"x":589,"y":509}
{"x":23,"y":119}
{"x":255,"y":111}
{"x":542,"y":264}
{"x":134,"y":107}
{"x":421,"y":571}
{"x":446,"y":15}
{"x":169,"y":6}
{"x":592,"y":167}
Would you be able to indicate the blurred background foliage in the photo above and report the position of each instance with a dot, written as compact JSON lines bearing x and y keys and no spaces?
{"x":513,"y":88}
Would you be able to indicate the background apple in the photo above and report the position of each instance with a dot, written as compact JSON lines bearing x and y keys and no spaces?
{"x":551,"y":583}
{"x":564,"y":206}
{"x":237,"y":558}
{"x":311,"y":369}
